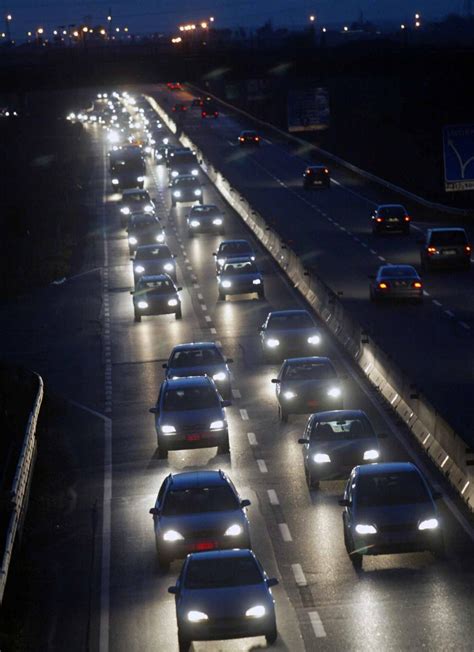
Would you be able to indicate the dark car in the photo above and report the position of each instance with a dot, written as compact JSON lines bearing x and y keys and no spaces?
{"x":390,"y":508}
{"x":248,"y":137}
{"x":446,"y":247}
{"x":289,"y":332}
{"x":156,"y":295}
{"x":307,"y":384}
{"x":174,"y":86}
{"x":229,"y":249}
{"x":129,"y":170}
{"x":186,"y":189}
{"x":153,"y":259}
{"x":206,"y":218}
{"x":336,"y":441}
{"x":190,"y":413}
{"x":200,"y":359}
{"x":390,"y":217}
{"x":144,"y":229}
{"x":396,"y":282}
{"x":198,"y":511}
{"x":240,"y":276}
{"x":135,"y":200}
{"x":223,"y":594}
{"x":183,"y":162}
{"x":316,"y":175}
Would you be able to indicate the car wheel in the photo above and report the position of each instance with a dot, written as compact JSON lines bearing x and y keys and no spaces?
{"x":272,"y":636}
{"x":137,"y":316}
{"x":162,"y":453}
{"x":356,"y":558}
{"x":221,"y":296}
{"x":310,"y":481}
{"x":224,"y":448}
{"x":178,"y":314}
{"x":283,"y":416}
{"x":183,"y":643}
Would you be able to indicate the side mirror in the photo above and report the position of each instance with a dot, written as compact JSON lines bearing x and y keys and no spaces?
{"x":245,"y":503}
{"x":153,"y":410}
{"x":179,"y":289}
{"x":226,"y":403}
{"x":165,"y":365}
{"x":344,"y":503}
{"x":303,"y":440}
{"x":271,"y":581}
{"x":132,"y":292}
{"x":382,"y":435}
{"x":276,"y":381}
{"x":155,"y":511}
{"x":173,"y":590}
{"x":229,"y":360}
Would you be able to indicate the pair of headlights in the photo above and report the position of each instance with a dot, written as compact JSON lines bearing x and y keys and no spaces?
{"x":214,"y":425}
{"x":144,"y":304}
{"x":324,"y":458}
{"x":333,"y":392}
{"x":426,"y":524}
{"x":233,"y":530}
{"x":273,"y":342}
{"x":258,"y":611}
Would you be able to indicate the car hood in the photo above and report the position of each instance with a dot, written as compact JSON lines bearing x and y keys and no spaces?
{"x":230,"y":602}
{"x":216,"y":522}
{"x":142,"y":295}
{"x":291,"y":332}
{"x":154,"y":263}
{"x":204,"y":370}
{"x":396,"y":514}
{"x":190,"y":417}
{"x":239,"y":279}
{"x":306,"y":386}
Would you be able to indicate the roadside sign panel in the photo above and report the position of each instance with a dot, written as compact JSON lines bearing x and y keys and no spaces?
{"x":308,"y":109}
{"x":458,"y":151}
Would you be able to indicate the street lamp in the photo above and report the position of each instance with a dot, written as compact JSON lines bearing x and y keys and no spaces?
{"x":312,"y":18}
{"x":211,"y":19}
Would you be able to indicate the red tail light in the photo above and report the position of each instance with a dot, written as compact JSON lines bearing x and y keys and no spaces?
{"x":216,"y":114}
{"x":407,"y":218}
{"x":417,"y":284}
{"x":203,"y":114}
{"x":383,"y":286}
{"x":379,"y":219}
{"x":241,"y":138}
{"x":431,"y":250}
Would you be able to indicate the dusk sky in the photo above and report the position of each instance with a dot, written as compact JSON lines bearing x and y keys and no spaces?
{"x":163,"y":15}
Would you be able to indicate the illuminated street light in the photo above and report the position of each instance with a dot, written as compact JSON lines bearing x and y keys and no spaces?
{"x":109,"y":18}
{"x":125,"y":29}
{"x":417,"y":24}
{"x":9,"y":17}
{"x":102,"y":32}
{"x":211,"y":19}
{"x":402,"y":26}
{"x":40,"y":30}
{"x":204,"y":25}
{"x":55,"y":32}
{"x":29,"y":34}
{"x":76,"y":33}
{"x":417,"y":16}
{"x":117,"y":29}
{"x":346,"y":29}
{"x":312,"y":18}
{"x":85,"y":29}
{"x":324,"y":30}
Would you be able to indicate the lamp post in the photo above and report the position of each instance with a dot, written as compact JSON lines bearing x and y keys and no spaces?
{"x":8,"y":20}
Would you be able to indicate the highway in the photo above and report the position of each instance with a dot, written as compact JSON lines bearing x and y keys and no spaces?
{"x":397,"y":602}
{"x":331,"y":232}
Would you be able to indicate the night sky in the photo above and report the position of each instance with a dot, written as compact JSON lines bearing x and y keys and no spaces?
{"x":143,"y":16}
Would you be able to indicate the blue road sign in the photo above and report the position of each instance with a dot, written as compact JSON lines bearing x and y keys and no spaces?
{"x":308,"y":109}
{"x":458,"y":151}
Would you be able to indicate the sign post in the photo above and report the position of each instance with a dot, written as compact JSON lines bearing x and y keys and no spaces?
{"x":458,"y":151}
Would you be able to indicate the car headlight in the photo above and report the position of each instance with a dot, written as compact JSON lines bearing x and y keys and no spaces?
{"x":142,"y":304}
{"x":226,"y":284}
{"x":172,"y":535}
{"x":334,"y":392}
{"x":371,"y":454}
{"x":140,"y":179}
{"x":165,"y":141}
{"x":159,"y":156}
{"x":272,"y":343}
{"x":148,"y":208}
{"x":217,"y":221}
{"x":256,"y":281}
{"x":139,"y":269}
{"x":132,"y":240}
{"x":321,"y":458}
{"x":314,"y":339}
{"x":115,"y":182}
{"x":256,"y":612}
{"x":173,"y":302}
{"x":362,"y":528}
{"x":160,"y":237}
{"x":194,"y":173}
{"x":252,"y":257}
{"x":168,"y":267}
{"x":194,"y":223}
{"x":168,"y":430}
{"x":197,"y":192}
{"x":289,"y":395}
{"x":174,"y":173}
{"x":113,"y":137}
{"x":125,"y":210}
{"x":196,"y":616}
{"x":221,"y":261}
{"x":216,"y":425}
{"x":177,"y":193}
{"x":220,"y":375}
{"x":428,"y":524}
{"x":233,"y":530}
{"x":148,"y":149}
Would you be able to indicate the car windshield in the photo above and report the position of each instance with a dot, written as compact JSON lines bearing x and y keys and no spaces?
{"x":196,"y":358}
{"x":190,"y":398}
{"x":200,"y":499}
{"x":249,"y":134}
{"x":184,"y":159}
{"x":149,"y":253}
{"x":291,"y":320}
{"x":389,"y":489}
{"x":309,"y":371}
{"x":186,"y":182}
{"x":245,"y":267}
{"x":136,"y":198}
{"x":398,"y":271}
{"x":204,"y":210}
{"x":446,"y":238}
{"x":222,"y":573}
{"x":392,"y":211}
{"x":234,"y":248}
{"x":142,"y":221}
{"x":157,"y":286}
{"x":358,"y":428}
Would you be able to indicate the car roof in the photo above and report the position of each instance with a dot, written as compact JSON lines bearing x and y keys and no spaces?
{"x":338,"y":414}
{"x":446,"y":229}
{"x":190,"y":479}
{"x":185,"y":177}
{"x":388,"y":467}
{"x":393,"y":267}
{"x":188,"y":381}
{"x":200,"y":207}
{"x":316,"y":167}
{"x":195,"y":345}
{"x":235,"y":553}
{"x":248,"y":131}
{"x":391,"y":206}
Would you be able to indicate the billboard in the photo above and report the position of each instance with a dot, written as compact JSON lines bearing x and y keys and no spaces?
{"x":308,"y":109}
{"x":458,"y":152}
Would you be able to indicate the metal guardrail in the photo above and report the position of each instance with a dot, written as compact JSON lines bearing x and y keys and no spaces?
{"x":349,"y":166}
{"x":20,"y":485}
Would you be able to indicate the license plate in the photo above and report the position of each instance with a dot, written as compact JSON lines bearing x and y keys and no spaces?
{"x":448,"y":252}
{"x":205,"y":545}
{"x":193,"y":437}
{"x":393,"y":219}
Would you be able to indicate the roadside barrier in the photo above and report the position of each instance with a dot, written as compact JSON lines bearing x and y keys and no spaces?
{"x":440,"y":442}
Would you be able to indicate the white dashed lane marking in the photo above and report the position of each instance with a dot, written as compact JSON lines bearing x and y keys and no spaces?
{"x":236,"y":393}
{"x":285,"y":532}
{"x":252,"y":439}
{"x":272,"y":497}
{"x":209,"y":319}
{"x":244,"y":414}
{"x":262,"y":466}
{"x":300,"y":578}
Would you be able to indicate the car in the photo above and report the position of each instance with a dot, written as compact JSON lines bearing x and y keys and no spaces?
{"x":205,"y":218}
{"x":445,"y":247}
{"x":161,"y":154}
{"x":240,"y":276}
{"x":304,"y":385}
{"x":336,"y":441}
{"x":390,"y":217}
{"x":183,"y":162}
{"x":179,"y":108}
{"x":289,"y":332}
{"x":390,"y":508}
{"x":248,"y":137}
{"x":186,"y":189}
{"x":144,"y":229}
{"x":174,"y":86}
{"x":156,"y":295}
{"x":190,"y":413}
{"x":229,"y":249}
{"x":200,"y":359}
{"x":316,"y":175}
{"x":396,"y":282}
{"x":223,"y":594}
{"x":135,"y":200}
{"x":197,"y":511}
{"x":209,"y":110}
{"x":129,"y":169}
{"x":153,"y":259}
